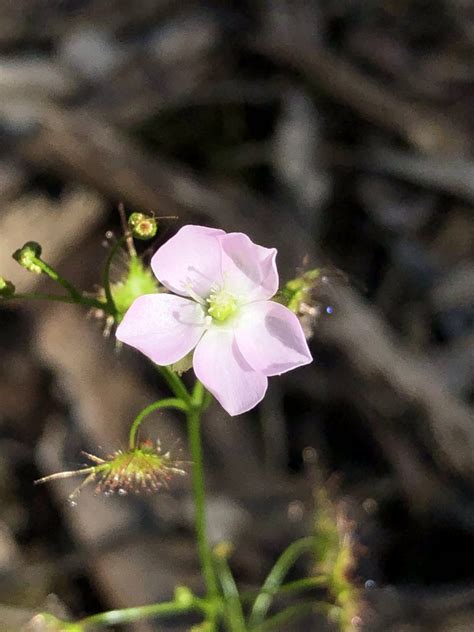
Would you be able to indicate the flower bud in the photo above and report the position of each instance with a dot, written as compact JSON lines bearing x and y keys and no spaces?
{"x":7,"y":288}
{"x":27,"y":256}
{"x":297,"y":292}
{"x":139,"y":280}
{"x":142,"y":226}
{"x":223,"y":549}
{"x":183,"y":595}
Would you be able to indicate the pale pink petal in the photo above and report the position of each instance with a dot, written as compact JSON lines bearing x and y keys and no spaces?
{"x":270,"y":338}
{"x":162,"y":326}
{"x":190,"y":262}
{"x":220,"y":366}
{"x":249,"y":271}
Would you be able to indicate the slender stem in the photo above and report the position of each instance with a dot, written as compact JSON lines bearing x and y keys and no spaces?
{"x":171,"y":402}
{"x":193,"y":405}
{"x":126,"y":231}
{"x":80,"y":300}
{"x":307,"y":583}
{"x":55,"y":276}
{"x":175,"y":383}
{"x":231,"y":596}
{"x":293,"y":612}
{"x":205,"y":554}
{"x":129,"y":615}
{"x":276,"y":576}
{"x":207,"y":399}
{"x":198,"y":394}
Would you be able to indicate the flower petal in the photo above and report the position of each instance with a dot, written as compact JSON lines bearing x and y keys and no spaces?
{"x":249,"y":270}
{"x":162,"y":326}
{"x":190,"y":262}
{"x":271,"y":338}
{"x":220,"y":366}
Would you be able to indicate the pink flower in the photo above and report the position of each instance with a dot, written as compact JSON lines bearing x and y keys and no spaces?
{"x":221,"y":308}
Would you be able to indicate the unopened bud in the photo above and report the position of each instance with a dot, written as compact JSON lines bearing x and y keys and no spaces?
{"x":183,"y":596}
{"x":138,"y":281}
{"x":27,"y":256}
{"x":7,"y":288}
{"x":223,"y":549}
{"x":142,"y":226}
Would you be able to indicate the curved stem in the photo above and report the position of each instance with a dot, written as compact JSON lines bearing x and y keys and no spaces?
{"x":129,"y":615}
{"x":198,"y":395}
{"x":276,"y":576}
{"x":55,"y":276}
{"x":231,"y":596}
{"x":80,"y":300}
{"x":205,"y":555}
{"x":307,"y":583}
{"x":162,"y":403}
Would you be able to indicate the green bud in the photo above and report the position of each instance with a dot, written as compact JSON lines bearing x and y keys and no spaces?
{"x":297,"y":292}
{"x":138,"y":281}
{"x":142,"y":226}
{"x":27,"y":256}
{"x":7,"y":288}
{"x":223,"y":550}
{"x":183,"y":596}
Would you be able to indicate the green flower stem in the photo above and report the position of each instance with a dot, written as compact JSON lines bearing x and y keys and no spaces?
{"x":129,"y":615}
{"x":193,"y":404}
{"x":171,"y":402}
{"x":86,"y":301}
{"x":308,"y":583}
{"x":57,"y":278}
{"x":198,"y":395}
{"x":276,"y":577}
{"x":126,"y":230}
{"x":205,"y":554}
{"x":293,"y":612}
{"x":233,"y":604}
{"x":175,"y":383}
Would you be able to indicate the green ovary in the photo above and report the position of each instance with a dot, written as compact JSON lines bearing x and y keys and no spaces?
{"x":221,"y":305}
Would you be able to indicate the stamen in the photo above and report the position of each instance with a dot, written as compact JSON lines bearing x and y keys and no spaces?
{"x":194,"y":295}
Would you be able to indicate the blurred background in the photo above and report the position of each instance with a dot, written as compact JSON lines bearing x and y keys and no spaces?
{"x":339,"y":131}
